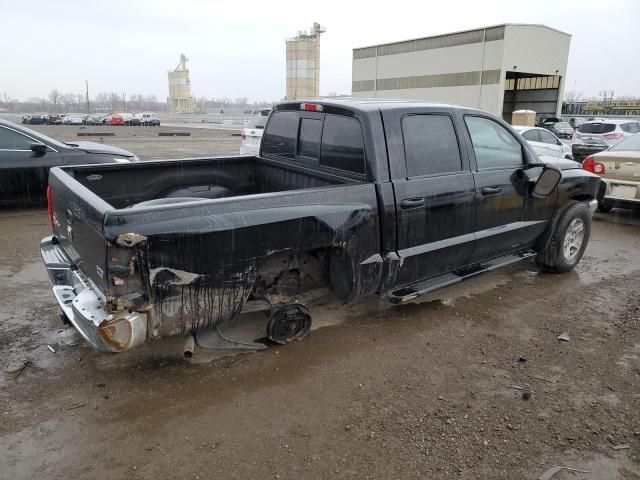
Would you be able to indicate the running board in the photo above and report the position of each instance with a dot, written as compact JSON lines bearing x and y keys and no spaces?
{"x":410,"y":292}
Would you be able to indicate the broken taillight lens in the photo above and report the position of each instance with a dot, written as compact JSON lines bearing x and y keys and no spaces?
{"x":50,"y":205}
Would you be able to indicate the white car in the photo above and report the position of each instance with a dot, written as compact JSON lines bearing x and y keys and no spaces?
{"x":598,"y":135}
{"x":72,"y":120}
{"x":544,"y":142}
{"x":252,"y":136}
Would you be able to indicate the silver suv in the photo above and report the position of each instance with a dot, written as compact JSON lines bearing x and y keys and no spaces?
{"x":598,"y":135}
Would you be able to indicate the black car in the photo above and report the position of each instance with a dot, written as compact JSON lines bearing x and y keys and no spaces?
{"x":55,"y":120}
{"x":38,"y":119}
{"x":548,"y":122}
{"x":26,"y":157}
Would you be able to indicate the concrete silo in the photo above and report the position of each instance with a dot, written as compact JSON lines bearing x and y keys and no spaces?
{"x":303,"y":64}
{"x":180,"y":99}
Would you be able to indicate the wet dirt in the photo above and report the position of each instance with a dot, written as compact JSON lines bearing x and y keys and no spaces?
{"x":432,"y":389}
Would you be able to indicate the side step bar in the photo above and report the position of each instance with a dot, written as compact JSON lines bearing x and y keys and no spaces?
{"x":410,"y":292}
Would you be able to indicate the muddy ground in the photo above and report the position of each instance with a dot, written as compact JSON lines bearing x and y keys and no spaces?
{"x":433,"y":389}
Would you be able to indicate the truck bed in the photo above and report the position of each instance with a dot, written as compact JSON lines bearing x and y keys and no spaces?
{"x":147,"y":184}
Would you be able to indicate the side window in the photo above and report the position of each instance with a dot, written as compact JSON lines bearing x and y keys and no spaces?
{"x":493,"y":145}
{"x":430,"y":145}
{"x":281,"y":134}
{"x":635,"y":127}
{"x":625,"y":127}
{"x":342,"y":144}
{"x":548,"y":138}
{"x":309,"y":141}
{"x":532,"y":135}
{"x":10,"y":140}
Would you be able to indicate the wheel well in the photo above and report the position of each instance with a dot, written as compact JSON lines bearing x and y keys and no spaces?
{"x":582,"y":197}
{"x":287,"y":274}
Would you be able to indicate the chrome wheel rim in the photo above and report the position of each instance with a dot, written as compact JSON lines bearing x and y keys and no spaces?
{"x":573,"y":239}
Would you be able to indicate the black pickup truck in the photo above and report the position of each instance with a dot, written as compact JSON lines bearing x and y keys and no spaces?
{"x":350,"y":198}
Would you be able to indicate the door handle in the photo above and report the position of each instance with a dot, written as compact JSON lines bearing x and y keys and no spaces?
{"x":490,"y":190}
{"x":412,"y":203}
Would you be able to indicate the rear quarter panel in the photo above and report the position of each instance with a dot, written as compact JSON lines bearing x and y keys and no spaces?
{"x":200,"y":259}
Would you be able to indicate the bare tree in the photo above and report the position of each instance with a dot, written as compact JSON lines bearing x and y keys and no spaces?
{"x":54,"y":98}
{"x":241,"y":101}
{"x":572,"y":96}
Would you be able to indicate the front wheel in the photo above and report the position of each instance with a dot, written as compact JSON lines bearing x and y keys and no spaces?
{"x":568,"y":240}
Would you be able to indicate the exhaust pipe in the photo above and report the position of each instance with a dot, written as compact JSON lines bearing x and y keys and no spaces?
{"x":189,"y":346}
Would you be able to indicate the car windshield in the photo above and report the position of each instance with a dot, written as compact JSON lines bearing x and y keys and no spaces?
{"x":631,"y":144}
{"x":597,"y":127}
{"x":563,"y":124}
{"x":258,"y":122}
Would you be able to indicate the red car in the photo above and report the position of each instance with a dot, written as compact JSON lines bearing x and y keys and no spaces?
{"x":114,"y":120}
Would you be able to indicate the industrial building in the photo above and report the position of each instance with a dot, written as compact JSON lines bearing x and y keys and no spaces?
{"x":180,"y":99}
{"x":303,"y":64}
{"x":499,"y":69}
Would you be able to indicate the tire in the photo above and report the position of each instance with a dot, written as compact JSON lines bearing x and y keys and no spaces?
{"x":604,"y":207}
{"x":568,"y":240}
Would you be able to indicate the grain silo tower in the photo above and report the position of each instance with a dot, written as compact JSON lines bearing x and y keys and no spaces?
{"x":180,"y":99}
{"x":303,"y":64}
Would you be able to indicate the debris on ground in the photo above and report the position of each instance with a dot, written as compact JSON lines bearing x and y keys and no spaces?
{"x":623,"y":446}
{"x":557,"y":468}
{"x":53,"y":350}
{"x":526,"y":395}
{"x":563,"y":337}
{"x":25,"y":364}
{"x":516,"y":387}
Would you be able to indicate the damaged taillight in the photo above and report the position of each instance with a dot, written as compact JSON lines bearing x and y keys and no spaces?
{"x":50,"y":205}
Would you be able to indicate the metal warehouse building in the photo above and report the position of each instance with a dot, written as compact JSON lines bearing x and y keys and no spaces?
{"x":499,"y":69}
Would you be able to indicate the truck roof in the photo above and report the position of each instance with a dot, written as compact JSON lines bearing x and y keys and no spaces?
{"x":371,"y":104}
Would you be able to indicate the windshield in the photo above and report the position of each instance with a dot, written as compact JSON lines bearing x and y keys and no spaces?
{"x":597,"y":128}
{"x":258,"y":123}
{"x":563,"y":124}
{"x":631,"y":144}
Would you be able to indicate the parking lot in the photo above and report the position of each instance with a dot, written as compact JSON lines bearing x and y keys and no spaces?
{"x":469,"y":382}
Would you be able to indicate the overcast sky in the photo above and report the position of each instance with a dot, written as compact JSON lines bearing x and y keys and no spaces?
{"x":237,"y":48}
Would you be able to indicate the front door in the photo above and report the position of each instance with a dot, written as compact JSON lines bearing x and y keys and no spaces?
{"x":500,"y":207}
{"x":434,"y":197}
{"x":23,"y":173}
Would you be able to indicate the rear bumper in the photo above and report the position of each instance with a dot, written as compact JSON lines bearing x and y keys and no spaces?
{"x":621,"y":194}
{"x":84,"y":305}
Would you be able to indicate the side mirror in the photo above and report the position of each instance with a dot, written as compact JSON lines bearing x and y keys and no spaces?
{"x":547,"y":182}
{"x":39,"y":148}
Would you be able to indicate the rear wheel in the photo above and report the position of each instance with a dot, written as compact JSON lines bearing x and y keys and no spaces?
{"x":568,"y":241}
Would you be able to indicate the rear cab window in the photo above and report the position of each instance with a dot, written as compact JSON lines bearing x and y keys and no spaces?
{"x":430,"y":144}
{"x":597,"y":127}
{"x":331,"y":141}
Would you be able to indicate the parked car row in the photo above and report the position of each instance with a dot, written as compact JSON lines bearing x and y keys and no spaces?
{"x":147,"y":119}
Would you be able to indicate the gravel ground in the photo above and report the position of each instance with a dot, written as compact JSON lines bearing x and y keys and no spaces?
{"x":145,"y":142}
{"x":470,"y":382}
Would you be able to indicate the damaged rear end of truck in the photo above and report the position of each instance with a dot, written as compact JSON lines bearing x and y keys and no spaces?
{"x":180,"y":247}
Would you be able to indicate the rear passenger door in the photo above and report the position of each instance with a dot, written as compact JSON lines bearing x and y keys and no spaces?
{"x":434,"y":193}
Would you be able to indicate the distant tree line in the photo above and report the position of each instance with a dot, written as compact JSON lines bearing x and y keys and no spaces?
{"x":58,"y":102}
